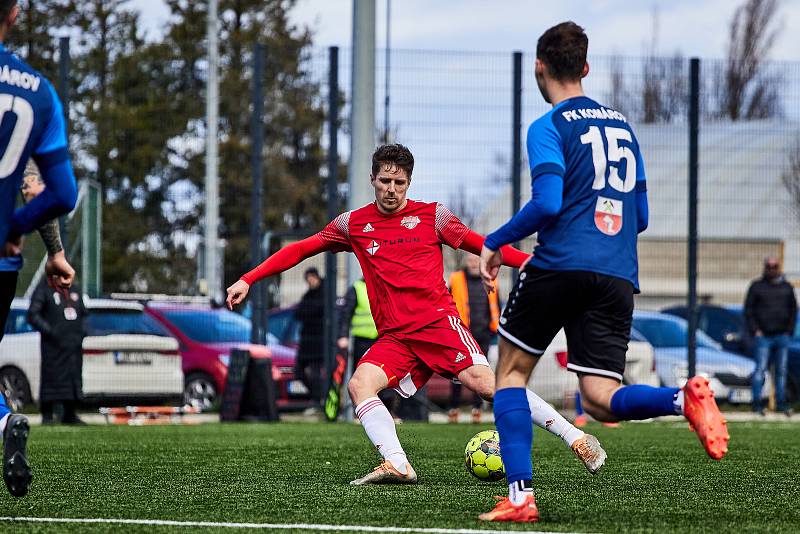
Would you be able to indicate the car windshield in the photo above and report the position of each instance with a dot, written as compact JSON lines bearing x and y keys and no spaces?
{"x":107,"y":322}
{"x":211,"y":326}
{"x":663,"y":333}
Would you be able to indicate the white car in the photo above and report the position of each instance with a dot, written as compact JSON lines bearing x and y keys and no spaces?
{"x":127,"y":354}
{"x":554,"y":383}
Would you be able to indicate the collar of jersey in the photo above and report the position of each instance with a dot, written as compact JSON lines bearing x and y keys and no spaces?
{"x":570,"y":99}
{"x":394,"y":214}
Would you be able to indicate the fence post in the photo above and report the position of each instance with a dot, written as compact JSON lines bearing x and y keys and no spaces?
{"x":258,"y":332}
{"x":694,"y":126}
{"x":333,"y":205}
{"x":63,"y":90}
{"x":516,"y":139}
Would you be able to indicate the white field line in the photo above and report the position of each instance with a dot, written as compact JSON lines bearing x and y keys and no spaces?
{"x":261,"y":526}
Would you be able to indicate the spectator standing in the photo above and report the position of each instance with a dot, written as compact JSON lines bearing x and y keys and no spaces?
{"x":310,"y":313}
{"x":60,"y":316}
{"x":770,"y":310}
{"x":480,"y":312}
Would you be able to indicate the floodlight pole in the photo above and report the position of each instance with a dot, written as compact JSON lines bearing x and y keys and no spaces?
{"x":362,"y":120}
{"x":212,"y":266}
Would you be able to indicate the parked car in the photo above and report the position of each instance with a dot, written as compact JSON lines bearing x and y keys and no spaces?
{"x":207,"y":335}
{"x":552,"y":381}
{"x":729,"y":373}
{"x":127,"y":355}
{"x":726,"y":326}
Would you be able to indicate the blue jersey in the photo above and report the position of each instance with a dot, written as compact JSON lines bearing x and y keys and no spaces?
{"x":594,"y":150}
{"x":31,"y":125}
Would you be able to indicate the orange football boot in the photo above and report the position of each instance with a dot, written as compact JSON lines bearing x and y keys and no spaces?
{"x":704,"y":417}
{"x":505,"y":511}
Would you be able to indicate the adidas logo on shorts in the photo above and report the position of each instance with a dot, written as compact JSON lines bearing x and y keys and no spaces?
{"x":460,"y":358}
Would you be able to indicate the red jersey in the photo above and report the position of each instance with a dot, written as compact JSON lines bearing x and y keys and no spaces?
{"x":401,"y":259}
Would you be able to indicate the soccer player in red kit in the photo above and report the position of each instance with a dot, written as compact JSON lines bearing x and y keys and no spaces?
{"x":398,"y":243}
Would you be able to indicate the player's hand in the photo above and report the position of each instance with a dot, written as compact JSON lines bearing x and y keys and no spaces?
{"x":237,"y":293}
{"x":12,"y":248}
{"x":491,"y":261}
{"x":59,"y":272}
{"x":343,"y":343}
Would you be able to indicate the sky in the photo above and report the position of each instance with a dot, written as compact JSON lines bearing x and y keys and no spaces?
{"x":694,"y":27}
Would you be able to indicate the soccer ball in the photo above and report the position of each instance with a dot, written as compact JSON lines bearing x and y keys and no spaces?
{"x":482,"y":457}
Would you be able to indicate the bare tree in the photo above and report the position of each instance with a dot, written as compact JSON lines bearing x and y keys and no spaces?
{"x":617,"y":94}
{"x":664,"y":82}
{"x":748,"y":91}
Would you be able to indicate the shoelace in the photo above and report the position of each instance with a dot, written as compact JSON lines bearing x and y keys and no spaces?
{"x":583,"y":449}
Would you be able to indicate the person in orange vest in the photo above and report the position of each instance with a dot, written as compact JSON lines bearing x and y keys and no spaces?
{"x":481,"y":314}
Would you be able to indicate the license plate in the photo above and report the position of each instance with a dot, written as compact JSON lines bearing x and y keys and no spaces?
{"x":133,"y":358}
{"x":296,"y":387}
{"x":740,"y":396}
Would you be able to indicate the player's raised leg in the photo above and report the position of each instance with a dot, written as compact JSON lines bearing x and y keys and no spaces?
{"x":368,"y":380}
{"x":606,"y":400}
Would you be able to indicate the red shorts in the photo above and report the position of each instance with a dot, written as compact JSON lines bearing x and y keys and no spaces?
{"x":409,"y":359}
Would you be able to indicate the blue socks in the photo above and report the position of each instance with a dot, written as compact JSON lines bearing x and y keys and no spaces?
{"x":512,"y":416}
{"x":643,"y":402}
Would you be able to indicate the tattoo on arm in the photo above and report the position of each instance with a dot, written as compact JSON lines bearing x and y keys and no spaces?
{"x":51,"y":235}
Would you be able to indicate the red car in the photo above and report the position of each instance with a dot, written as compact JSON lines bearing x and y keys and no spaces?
{"x":207,"y":335}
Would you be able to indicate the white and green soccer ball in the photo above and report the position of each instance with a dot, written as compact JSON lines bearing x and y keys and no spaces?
{"x":482,"y":456}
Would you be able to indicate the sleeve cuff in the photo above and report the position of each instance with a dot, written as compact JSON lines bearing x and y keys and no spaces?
{"x":547,"y":168}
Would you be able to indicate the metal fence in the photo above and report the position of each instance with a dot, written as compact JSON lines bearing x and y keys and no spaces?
{"x":455,"y":111}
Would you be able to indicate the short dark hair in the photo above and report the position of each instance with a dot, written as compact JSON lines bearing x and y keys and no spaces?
{"x":563,"y":49}
{"x":311,"y":271}
{"x":395,"y":154}
{"x":6,"y":6}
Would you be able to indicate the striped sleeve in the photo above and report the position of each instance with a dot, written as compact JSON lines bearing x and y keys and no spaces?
{"x":449,"y":228}
{"x":337,"y":233}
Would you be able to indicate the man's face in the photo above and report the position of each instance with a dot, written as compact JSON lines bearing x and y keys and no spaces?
{"x":313,"y":281}
{"x":31,"y":187}
{"x":772,"y":268}
{"x":391,"y":184}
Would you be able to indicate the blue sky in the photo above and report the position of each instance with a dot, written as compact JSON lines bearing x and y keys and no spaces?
{"x":696,"y":27}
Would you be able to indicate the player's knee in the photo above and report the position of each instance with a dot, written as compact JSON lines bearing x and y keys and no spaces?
{"x":597,"y":404}
{"x":361,"y":387}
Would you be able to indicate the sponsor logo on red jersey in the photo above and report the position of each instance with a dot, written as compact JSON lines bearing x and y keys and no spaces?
{"x":373,"y":247}
{"x":410,"y":222}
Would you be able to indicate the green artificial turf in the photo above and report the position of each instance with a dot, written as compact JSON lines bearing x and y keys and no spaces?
{"x":657,"y":478}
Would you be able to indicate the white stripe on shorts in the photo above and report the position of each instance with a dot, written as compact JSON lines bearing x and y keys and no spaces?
{"x":466,"y":338}
{"x":592,"y":371}
{"x":519,"y":343}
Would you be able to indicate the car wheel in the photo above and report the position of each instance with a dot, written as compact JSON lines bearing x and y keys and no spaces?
{"x":200,"y":391}
{"x":15,"y":388}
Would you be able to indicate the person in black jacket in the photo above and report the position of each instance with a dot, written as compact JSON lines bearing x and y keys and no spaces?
{"x":60,"y":316}
{"x":310,"y":313}
{"x":770,"y":310}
